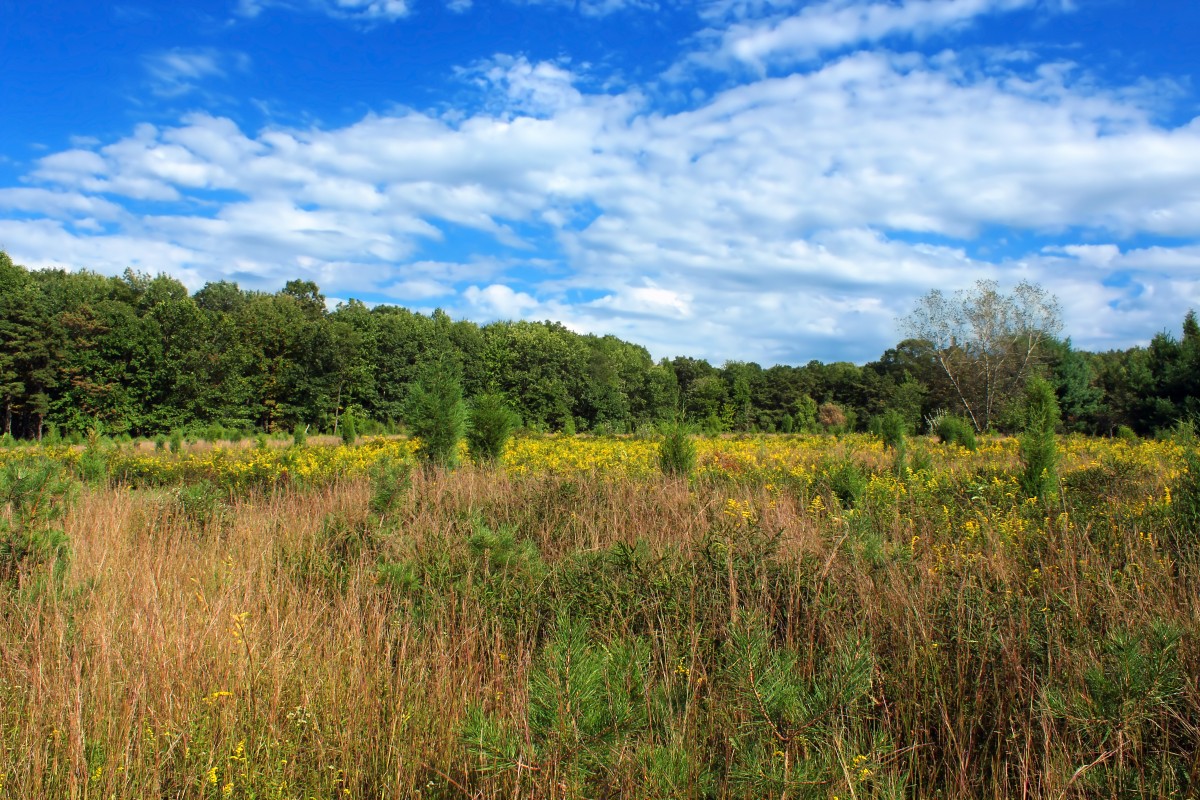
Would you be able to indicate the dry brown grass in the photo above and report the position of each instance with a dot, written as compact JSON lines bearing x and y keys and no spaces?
{"x":257,"y":645}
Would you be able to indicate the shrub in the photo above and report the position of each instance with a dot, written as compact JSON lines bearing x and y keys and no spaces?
{"x":677,"y":453}
{"x":891,"y":430}
{"x":1185,"y":502}
{"x":832,"y":417}
{"x":490,"y":427}
{"x":847,"y":481}
{"x":37,"y":493}
{"x":390,"y":480}
{"x":953,"y":429}
{"x":300,"y":435}
{"x":348,"y":429}
{"x":93,"y":462}
{"x":436,"y":414}
{"x":198,"y":503}
{"x":176,"y":440}
{"x":1038,"y":448}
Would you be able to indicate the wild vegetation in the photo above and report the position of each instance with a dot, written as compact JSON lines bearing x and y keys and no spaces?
{"x":805,"y":616}
{"x":252,"y":548}
{"x":137,"y":355}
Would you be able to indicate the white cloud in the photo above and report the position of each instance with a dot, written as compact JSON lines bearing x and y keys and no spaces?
{"x":596,"y":8}
{"x":758,"y":34}
{"x":179,"y":71}
{"x":498,"y":301}
{"x":368,"y":11}
{"x":778,"y":219}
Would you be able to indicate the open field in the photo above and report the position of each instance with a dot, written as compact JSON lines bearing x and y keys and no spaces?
{"x":794,"y":621}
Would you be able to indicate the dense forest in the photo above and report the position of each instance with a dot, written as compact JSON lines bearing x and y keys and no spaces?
{"x":139,"y":355}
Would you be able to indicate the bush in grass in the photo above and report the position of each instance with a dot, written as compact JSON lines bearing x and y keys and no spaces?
{"x":1038,"y":447}
{"x":93,"y":461}
{"x":390,"y":481}
{"x":1185,"y":496}
{"x":349,"y":429}
{"x":436,"y":414}
{"x":953,"y":429}
{"x":677,"y":452}
{"x":36,"y":492}
{"x":847,"y":481}
{"x":490,"y":425}
{"x":832,"y":417}
{"x":891,"y":429}
{"x":300,"y":435}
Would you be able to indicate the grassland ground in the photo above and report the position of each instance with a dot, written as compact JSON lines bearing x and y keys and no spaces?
{"x":795,"y":620}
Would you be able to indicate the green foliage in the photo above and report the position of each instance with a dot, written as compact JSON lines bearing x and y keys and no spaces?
{"x":847,"y":481}
{"x":1185,"y":502}
{"x":36,"y":493}
{"x":390,"y":482}
{"x":176,"y":440}
{"x":92,"y":466}
{"x":1038,"y":447}
{"x":804,"y":414}
{"x":436,"y":414}
{"x":953,"y":429}
{"x":299,"y":435}
{"x":586,"y":704}
{"x":677,"y":451}
{"x":792,"y":716}
{"x":349,"y":430}
{"x":489,"y":428}
{"x":1133,"y":683}
{"x":892,"y":428}
{"x":199,"y":503}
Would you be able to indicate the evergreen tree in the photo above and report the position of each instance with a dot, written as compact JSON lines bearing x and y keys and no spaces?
{"x":436,"y":414}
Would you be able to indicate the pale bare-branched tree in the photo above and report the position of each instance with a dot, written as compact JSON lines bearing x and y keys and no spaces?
{"x":986,"y":341}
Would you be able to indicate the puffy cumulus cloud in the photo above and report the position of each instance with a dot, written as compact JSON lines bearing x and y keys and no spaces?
{"x":498,"y":301}
{"x":781,"y":219}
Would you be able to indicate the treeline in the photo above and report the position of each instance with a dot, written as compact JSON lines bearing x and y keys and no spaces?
{"x":137,"y":354}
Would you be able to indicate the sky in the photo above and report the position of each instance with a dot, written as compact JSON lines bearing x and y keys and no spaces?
{"x":763,"y":180}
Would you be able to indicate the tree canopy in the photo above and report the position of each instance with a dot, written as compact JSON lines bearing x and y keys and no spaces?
{"x":140,"y":355}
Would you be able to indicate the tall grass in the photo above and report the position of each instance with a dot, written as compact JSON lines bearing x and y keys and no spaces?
{"x":475,"y":634}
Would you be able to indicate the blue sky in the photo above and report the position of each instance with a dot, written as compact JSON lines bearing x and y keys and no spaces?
{"x":771,"y":180}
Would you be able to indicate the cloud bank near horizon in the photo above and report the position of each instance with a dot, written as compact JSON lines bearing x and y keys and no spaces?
{"x":783,"y":190}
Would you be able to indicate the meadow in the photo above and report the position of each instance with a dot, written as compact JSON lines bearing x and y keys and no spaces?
{"x":796,"y":619}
